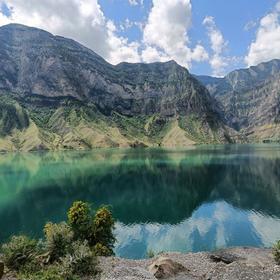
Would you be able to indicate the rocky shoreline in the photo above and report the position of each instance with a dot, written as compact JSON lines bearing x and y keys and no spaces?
{"x":228,"y":264}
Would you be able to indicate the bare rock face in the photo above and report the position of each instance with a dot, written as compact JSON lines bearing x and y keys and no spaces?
{"x":1,"y":269}
{"x":249,"y":100}
{"x":164,"y":268}
{"x":74,"y":99}
{"x":38,"y":63}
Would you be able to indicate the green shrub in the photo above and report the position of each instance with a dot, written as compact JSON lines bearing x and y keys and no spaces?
{"x":79,"y":218}
{"x":81,"y":261}
{"x":103,"y":225}
{"x":276,"y":251}
{"x":101,"y":250}
{"x":49,"y":273}
{"x":68,"y":250}
{"x":58,"y":240}
{"x":98,"y":231}
{"x":19,"y":251}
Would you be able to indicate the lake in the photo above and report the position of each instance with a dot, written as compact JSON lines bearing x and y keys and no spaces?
{"x":202,"y":198}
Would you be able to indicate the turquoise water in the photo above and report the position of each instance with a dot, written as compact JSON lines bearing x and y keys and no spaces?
{"x":203,"y":198}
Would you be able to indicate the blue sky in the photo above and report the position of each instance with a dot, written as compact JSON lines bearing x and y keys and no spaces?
{"x":206,"y":36}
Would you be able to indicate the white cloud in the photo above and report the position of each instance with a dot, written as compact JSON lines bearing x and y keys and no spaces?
{"x":199,"y":53}
{"x":166,"y":32}
{"x":266,"y":45}
{"x":82,"y":20}
{"x":123,"y":50}
{"x":250,"y":25}
{"x":218,"y":44}
{"x":136,"y":2}
{"x":127,"y":24}
{"x":152,"y":54}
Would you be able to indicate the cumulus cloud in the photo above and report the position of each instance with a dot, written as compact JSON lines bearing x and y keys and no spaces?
{"x":165,"y":34}
{"x":218,"y":44}
{"x":127,"y":24}
{"x":123,"y":50}
{"x":152,"y":54}
{"x":82,"y":20}
{"x":266,"y":45}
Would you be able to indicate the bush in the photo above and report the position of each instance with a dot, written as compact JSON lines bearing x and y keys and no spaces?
{"x":58,"y":240}
{"x":68,"y":250}
{"x":98,"y":231}
{"x":276,"y":252}
{"x":101,"y":250}
{"x":19,"y":251}
{"x":81,"y":261}
{"x":79,"y":218}
{"x":50,"y":273}
{"x":103,"y":226}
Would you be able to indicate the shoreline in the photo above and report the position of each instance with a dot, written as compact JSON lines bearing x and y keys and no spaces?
{"x":147,"y":148}
{"x":225,"y":264}
{"x":230,"y":264}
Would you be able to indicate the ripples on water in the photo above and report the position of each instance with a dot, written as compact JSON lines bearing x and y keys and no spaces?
{"x":163,"y":200}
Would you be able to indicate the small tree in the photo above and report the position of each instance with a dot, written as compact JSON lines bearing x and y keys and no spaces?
{"x":97,"y":230}
{"x":103,"y":225}
{"x":80,"y":220}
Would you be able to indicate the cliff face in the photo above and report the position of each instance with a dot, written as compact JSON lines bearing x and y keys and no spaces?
{"x":63,"y":86}
{"x":249,"y":100}
{"x":36,"y":62}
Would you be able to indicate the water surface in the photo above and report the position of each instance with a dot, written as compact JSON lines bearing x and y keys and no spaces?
{"x":198,"y":199}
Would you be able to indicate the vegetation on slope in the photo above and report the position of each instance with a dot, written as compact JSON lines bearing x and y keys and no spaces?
{"x":39,"y":123}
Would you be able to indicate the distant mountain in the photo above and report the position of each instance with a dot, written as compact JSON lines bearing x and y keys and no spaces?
{"x":55,"y":93}
{"x":249,"y":100}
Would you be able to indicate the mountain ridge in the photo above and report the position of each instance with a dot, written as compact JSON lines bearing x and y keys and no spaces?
{"x":249,"y":100}
{"x":74,"y":99}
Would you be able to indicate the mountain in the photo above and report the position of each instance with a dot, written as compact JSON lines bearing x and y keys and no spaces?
{"x":58,"y":94}
{"x":249,"y":100}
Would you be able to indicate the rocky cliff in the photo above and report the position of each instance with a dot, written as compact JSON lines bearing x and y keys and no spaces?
{"x":63,"y":95}
{"x":249,"y":100}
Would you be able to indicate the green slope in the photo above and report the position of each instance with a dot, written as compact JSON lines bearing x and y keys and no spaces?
{"x":38,"y":123}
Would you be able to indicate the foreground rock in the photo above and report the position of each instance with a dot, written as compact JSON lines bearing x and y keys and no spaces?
{"x":229,"y":264}
{"x":164,"y":268}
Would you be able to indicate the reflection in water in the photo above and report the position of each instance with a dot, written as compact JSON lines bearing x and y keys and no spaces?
{"x":176,"y":200}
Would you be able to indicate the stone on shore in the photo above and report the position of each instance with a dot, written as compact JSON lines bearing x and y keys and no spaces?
{"x":230,"y":264}
{"x":164,"y":268}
